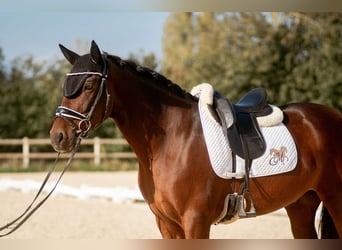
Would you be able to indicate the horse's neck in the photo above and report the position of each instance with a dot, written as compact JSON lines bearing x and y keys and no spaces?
{"x":142,"y":111}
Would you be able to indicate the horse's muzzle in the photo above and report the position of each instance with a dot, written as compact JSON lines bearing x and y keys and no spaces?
{"x":63,"y":138}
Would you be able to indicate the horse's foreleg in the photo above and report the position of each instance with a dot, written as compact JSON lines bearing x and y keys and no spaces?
{"x":195,"y":226}
{"x":302,"y":216}
{"x":193,"y":229}
{"x":169,"y":230}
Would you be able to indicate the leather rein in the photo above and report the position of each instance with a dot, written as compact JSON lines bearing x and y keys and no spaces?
{"x":16,"y":223}
{"x":82,"y":129}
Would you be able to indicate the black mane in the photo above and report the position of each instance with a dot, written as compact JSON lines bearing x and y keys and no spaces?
{"x":151,"y":74}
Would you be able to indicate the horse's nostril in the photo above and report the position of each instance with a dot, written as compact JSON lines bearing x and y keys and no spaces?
{"x":60,"y":137}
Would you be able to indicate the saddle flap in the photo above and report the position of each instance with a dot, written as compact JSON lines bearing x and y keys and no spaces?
{"x":246,"y":132}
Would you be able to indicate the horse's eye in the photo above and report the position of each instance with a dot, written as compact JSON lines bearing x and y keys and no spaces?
{"x":88,"y":86}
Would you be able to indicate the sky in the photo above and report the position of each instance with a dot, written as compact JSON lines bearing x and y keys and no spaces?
{"x":119,"y":27}
{"x":38,"y":33}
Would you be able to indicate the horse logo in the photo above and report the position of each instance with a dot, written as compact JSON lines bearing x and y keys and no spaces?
{"x":278,"y":156}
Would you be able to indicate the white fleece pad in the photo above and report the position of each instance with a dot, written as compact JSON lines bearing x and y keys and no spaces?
{"x":280,"y":155}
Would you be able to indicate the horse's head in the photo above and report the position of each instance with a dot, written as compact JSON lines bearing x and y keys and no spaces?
{"x":85,"y":101}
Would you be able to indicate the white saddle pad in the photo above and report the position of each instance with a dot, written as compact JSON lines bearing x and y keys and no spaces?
{"x":280,"y":155}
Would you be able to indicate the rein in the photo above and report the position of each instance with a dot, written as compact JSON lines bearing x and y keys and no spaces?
{"x":16,"y":223}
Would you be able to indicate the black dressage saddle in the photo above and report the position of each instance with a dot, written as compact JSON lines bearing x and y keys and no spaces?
{"x":242,"y":131}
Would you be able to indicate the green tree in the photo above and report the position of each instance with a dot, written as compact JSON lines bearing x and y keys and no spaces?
{"x":295,"y":56}
{"x":316,"y":58}
{"x":223,"y":49}
{"x":27,"y":96}
{"x":178,"y":48}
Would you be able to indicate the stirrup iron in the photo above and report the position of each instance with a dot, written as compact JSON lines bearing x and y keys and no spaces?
{"x":242,"y":211}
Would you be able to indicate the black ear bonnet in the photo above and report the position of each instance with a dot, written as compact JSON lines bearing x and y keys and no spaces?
{"x":74,"y":83}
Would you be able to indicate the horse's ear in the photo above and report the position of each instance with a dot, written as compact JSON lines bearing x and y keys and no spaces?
{"x":95,"y":53}
{"x":68,"y":54}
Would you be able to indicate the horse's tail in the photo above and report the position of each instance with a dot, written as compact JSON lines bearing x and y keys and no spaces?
{"x":328,"y":229}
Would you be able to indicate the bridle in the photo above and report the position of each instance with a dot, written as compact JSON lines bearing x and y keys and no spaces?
{"x":84,"y":124}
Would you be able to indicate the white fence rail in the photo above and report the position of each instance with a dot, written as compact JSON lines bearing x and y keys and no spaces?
{"x":97,"y":154}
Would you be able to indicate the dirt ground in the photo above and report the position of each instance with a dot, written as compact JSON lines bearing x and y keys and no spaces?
{"x":63,"y":217}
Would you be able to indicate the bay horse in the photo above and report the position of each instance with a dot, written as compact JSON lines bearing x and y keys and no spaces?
{"x":161,"y":123}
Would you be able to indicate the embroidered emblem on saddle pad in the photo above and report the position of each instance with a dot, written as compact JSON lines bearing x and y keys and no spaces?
{"x":279,"y":157}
